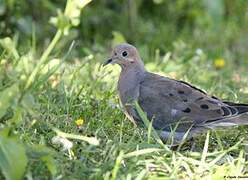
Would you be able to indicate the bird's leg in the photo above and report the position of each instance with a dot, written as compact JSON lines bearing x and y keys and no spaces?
{"x":192,"y":144}
{"x":174,"y":147}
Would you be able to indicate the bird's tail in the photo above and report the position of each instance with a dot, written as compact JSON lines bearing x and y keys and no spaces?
{"x":242,"y":108}
{"x":240,"y":118}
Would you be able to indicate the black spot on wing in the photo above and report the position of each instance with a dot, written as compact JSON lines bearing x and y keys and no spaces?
{"x":180,"y":92}
{"x":187,"y":110}
{"x":204,"y":106}
{"x":199,"y":98}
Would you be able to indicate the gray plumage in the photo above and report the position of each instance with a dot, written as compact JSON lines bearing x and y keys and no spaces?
{"x":168,"y":102}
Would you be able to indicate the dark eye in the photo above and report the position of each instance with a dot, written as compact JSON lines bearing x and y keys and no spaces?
{"x":124,"y":53}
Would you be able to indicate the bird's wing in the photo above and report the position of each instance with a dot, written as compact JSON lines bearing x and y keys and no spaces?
{"x":169,"y":102}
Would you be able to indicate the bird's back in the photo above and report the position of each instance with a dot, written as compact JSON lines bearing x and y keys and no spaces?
{"x":170,"y":103}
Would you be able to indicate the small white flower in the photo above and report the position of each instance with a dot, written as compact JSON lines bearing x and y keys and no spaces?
{"x":199,"y":51}
{"x":67,"y":145}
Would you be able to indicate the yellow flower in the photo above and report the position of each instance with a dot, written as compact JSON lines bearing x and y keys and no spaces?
{"x":219,"y":63}
{"x":79,"y":122}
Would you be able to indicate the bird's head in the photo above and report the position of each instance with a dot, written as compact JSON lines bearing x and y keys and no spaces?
{"x":125,"y":55}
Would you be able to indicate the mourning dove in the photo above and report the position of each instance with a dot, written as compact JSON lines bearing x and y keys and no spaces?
{"x":168,"y":102}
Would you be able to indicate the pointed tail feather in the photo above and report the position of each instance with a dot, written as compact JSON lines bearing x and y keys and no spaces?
{"x":242,"y":108}
{"x":241,"y":119}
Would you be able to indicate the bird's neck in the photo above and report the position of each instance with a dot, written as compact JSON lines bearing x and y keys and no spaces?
{"x":128,"y":84}
{"x":132,"y":74}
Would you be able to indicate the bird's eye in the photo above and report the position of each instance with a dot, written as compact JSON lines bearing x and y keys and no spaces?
{"x":115,"y":54}
{"x":124,"y":53}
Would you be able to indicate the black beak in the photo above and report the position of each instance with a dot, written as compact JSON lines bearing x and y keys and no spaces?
{"x":107,"y":62}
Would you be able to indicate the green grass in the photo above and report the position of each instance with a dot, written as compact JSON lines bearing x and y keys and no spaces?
{"x":43,"y":91}
{"x":82,"y":89}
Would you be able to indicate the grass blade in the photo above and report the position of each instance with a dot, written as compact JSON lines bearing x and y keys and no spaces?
{"x":117,"y":166}
{"x":147,"y":123}
{"x":90,"y":140}
{"x":142,"y":152}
